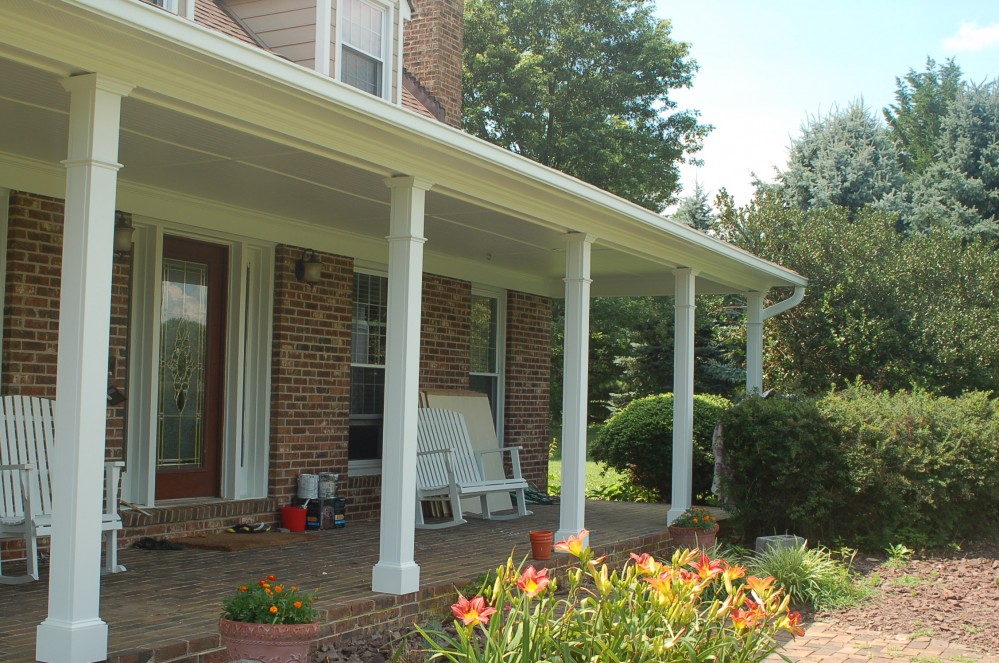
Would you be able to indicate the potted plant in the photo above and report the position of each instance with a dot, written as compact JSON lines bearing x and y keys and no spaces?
{"x":268,"y":620}
{"x":694,"y":528}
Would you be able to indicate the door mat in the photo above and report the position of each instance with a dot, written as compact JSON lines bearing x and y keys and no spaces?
{"x":231,"y":542}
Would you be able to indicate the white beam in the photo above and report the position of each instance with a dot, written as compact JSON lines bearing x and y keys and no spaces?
{"x":396,"y":571}
{"x":683,"y":394}
{"x":73,"y":631}
{"x":754,"y":342}
{"x":574,"y":384}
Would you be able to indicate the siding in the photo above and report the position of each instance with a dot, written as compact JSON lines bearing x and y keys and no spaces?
{"x":287,"y":27}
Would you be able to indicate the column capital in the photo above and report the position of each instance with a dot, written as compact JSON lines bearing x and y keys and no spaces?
{"x":84,"y":82}
{"x":409,"y":182}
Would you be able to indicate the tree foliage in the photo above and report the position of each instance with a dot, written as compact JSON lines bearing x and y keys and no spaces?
{"x":894,"y":310}
{"x":922,"y":101}
{"x":582,"y":86}
{"x":844,"y":159}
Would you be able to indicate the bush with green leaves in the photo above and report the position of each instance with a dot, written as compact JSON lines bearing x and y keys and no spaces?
{"x":638,"y":440}
{"x":865,"y":468}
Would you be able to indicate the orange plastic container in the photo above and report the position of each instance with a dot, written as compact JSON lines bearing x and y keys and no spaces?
{"x":293,"y":518}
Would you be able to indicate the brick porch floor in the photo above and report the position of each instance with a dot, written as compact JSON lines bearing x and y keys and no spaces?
{"x":166,"y":606}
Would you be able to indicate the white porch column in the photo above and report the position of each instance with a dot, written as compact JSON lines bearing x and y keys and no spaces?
{"x":683,"y":394}
{"x":754,"y":342}
{"x":574,"y":384}
{"x":396,"y":571}
{"x":73,"y":631}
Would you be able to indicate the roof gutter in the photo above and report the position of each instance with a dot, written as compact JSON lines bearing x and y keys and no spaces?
{"x":785,"y":305}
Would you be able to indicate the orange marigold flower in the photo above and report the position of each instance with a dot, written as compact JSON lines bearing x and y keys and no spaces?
{"x":472,"y":612}
{"x":269,"y":592}
{"x":262,"y":582}
{"x":274,"y":609}
{"x":278,"y":588}
{"x":298,"y":604}
{"x":695,"y":521}
{"x":244,"y":588}
{"x":271,"y":578}
{"x":294,"y":588}
{"x":533,"y":582}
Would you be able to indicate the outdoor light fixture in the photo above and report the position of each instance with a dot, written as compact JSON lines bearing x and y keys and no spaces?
{"x":308,"y":269}
{"x":122,"y":236}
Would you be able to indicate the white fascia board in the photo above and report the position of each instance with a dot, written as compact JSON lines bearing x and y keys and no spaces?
{"x":220,"y":74}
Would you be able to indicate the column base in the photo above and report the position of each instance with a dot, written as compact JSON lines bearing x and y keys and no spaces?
{"x":58,"y":641}
{"x":395,"y":579}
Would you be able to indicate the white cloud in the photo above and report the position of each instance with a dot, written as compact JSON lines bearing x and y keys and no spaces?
{"x":970,"y":37}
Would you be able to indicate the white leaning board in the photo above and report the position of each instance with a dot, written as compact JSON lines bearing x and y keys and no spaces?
{"x":479,"y":420}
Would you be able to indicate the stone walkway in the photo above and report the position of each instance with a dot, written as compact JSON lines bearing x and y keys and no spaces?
{"x":830,"y":643}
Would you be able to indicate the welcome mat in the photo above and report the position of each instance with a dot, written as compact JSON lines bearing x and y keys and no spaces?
{"x":231,"y":542}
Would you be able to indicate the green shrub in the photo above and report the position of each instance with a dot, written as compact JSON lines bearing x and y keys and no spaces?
{"x":864,"y":468}
{"x":638,"y":440}
{"x":786,"y":471}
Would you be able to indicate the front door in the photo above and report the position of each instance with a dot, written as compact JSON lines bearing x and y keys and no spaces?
{"x":191,"y":364}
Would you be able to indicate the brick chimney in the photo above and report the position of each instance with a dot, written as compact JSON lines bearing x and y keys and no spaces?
{"x":433,"y":46}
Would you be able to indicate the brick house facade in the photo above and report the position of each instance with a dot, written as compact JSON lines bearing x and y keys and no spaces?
{"x":310,"y":378}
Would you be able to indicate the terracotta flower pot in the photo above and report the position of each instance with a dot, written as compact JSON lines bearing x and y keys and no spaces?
{"x":692,"y":537}
{"x":268,"y":643}
{"x":542,"y":541}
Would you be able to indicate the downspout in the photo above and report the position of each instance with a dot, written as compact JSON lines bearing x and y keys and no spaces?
{"x":757,"y":315}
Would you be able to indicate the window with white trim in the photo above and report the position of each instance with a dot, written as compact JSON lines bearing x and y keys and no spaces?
{"x":486,"y":347}
{"x":367,"y":369}
{"x":364,"y":45}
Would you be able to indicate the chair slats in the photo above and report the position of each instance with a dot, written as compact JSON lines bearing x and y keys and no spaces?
{"x":27,"y":443}
{"x":448,"y":466}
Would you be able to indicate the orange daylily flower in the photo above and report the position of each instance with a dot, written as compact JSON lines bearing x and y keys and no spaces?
{"x":533,"y":582}
{"x":761,"y":587}
{"x":794,"y":624}
{"x":707,"y":567}
{"x":646,"y":564}
{"x":472,"y":612}
{"x":575,"y":543}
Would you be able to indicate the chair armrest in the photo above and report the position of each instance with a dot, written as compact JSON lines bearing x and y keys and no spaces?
{"x":21,"y":466}
{"x":514,"y":459}
{"x":112,"y":475}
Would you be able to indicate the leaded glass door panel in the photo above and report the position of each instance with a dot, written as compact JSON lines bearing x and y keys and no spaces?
{"x":191,"y":352}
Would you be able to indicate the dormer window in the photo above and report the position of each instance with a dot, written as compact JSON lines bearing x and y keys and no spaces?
{"x":183,"y":8}
{"x":364,"y":45}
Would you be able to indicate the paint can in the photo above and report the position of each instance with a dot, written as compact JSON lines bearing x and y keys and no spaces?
{"x":327,"y":484}
{"x":308,"y":486}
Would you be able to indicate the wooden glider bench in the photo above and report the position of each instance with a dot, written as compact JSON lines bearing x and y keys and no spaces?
{"x":27,"y":436}
{"x":447,"y":466}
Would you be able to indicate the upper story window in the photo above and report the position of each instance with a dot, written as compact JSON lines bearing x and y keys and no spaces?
{"x":364,"y":42}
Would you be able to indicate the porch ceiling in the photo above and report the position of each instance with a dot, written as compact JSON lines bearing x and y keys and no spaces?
{"x":223,"y":147}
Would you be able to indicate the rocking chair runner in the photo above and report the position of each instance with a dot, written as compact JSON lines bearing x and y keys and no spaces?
{"x":27,"y":436}
{"x":448,"y":466}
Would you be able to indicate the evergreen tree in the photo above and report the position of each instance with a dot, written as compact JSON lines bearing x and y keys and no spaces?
{"x":695,"y":210}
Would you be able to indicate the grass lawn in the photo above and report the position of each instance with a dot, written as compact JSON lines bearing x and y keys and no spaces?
{"x":597,"y":474}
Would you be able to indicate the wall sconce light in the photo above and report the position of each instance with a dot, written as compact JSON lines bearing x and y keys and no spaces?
{"x":122,"y":236}
{"x":308,"y":269}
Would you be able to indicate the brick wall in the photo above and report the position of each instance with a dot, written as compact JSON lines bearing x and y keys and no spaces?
{"x":445,"y":353}
{"x":433,"y":46}
{"x":31,"y":307}
{"x":528,"y":368}
{"x":310,"y":375}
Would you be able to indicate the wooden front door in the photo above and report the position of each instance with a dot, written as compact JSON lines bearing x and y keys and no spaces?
{"x":191,"y":363}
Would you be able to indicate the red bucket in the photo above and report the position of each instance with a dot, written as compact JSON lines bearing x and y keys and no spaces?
{"x":293,"y":518}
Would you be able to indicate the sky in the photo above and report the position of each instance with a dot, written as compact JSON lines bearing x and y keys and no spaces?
{"x":766,"y":66}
